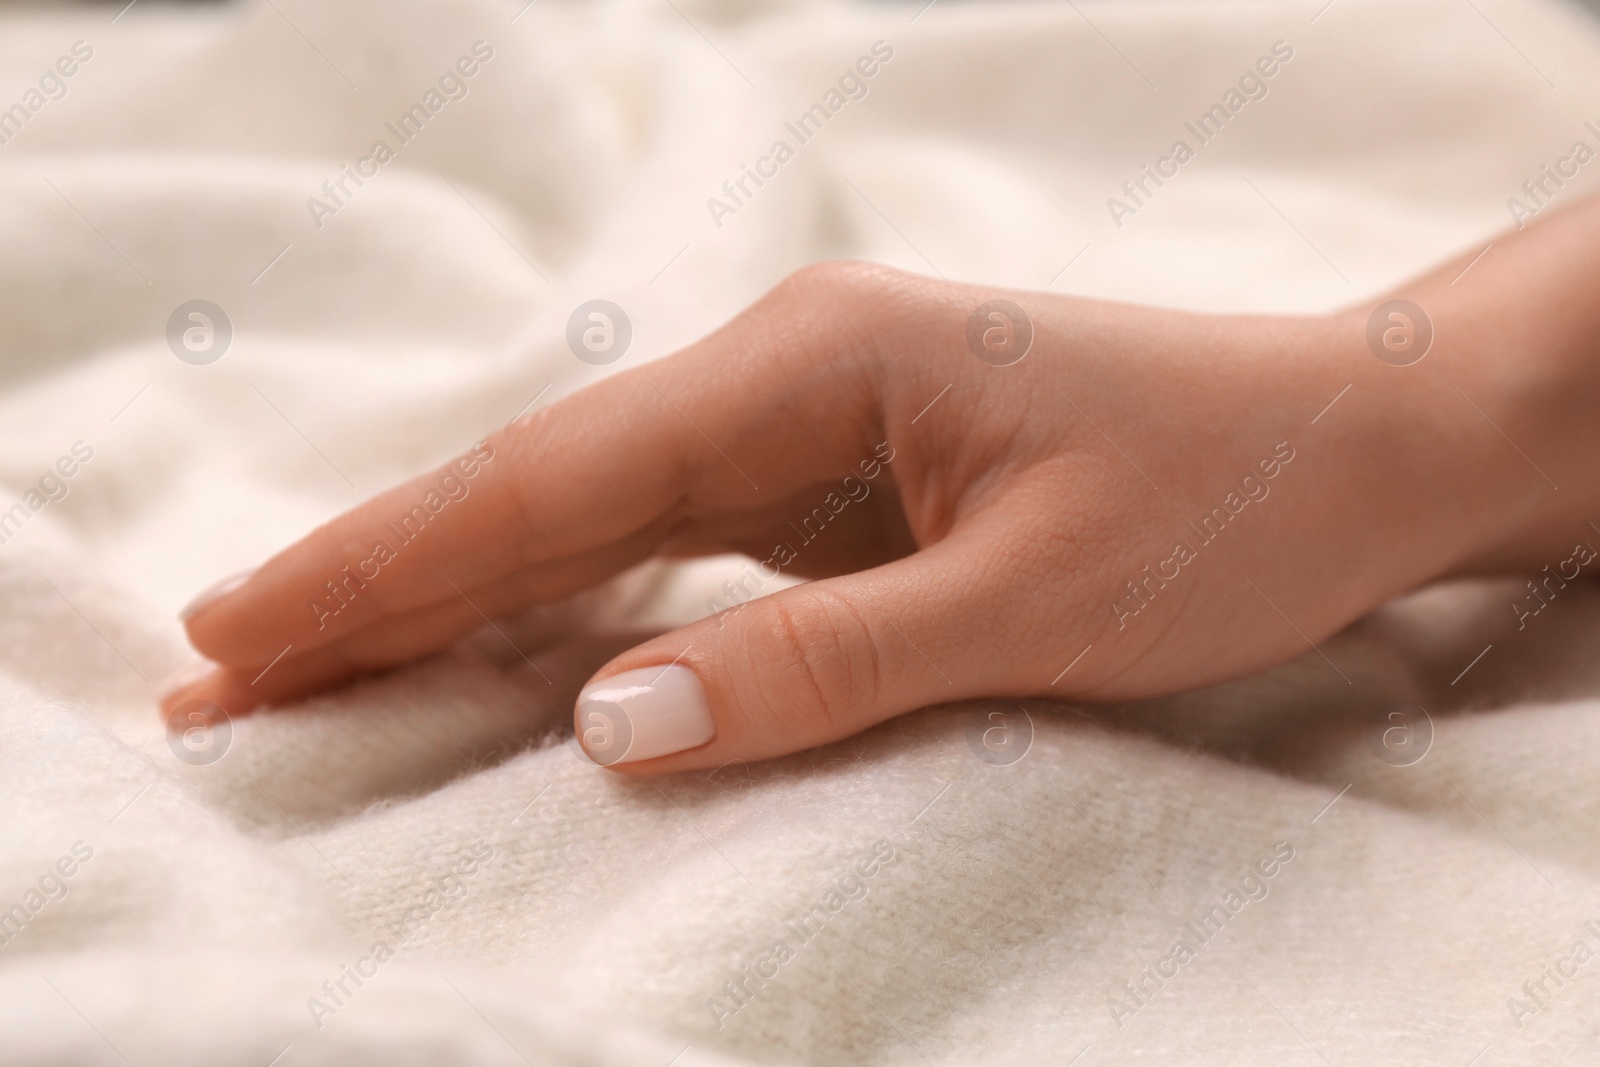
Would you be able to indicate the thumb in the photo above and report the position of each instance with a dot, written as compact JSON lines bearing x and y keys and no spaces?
{"x":802,"y":667}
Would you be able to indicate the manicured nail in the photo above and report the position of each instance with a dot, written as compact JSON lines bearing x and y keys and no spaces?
{"x":638,"y":715}
{"x":182,"y":678}
{"x":213,"y":593}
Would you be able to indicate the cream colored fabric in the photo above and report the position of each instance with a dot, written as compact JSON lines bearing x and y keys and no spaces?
{"x":933,"y":906}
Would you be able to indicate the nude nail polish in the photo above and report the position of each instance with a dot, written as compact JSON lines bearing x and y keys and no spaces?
{"x":641,"y":714}
{"x":213,"y":593}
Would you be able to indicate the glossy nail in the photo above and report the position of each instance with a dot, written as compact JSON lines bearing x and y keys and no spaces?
{"x":213,"y":593}
{"x":642,"y":714}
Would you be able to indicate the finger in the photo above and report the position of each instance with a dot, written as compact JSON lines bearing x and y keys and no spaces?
{"x":815,"y":663}
{"x":776,"y":400}
{"x":557,"y":670}
{"x":394,"y":639}
{"x":397,"y":638}
{"x":240,"y":690}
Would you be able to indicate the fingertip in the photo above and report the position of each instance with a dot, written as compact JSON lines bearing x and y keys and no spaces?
{"x":213,"y":593}
{"x":218,"y":620}
{"x":182,"y":679}
{"x":643,"y":714}
{"x":187,"y":714}
{"x":201,"y":694}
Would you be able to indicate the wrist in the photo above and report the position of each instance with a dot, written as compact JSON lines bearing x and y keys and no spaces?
{"x":1403,"y":480}
{"x":1488,"y":437}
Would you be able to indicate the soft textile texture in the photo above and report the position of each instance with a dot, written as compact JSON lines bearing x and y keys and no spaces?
{"x":934,"y":906}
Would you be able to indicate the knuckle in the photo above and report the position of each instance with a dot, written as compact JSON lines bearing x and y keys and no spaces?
{"x":841,"y":277}
{"x":815,"y":656}
{"x":846,"y":295}
{"x":855,"y":310}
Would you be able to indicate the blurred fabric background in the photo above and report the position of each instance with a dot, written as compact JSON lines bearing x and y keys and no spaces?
{"x":532,"y":910}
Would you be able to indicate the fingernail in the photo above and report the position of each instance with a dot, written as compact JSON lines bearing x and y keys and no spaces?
{"x":183,"y":676}
{"x":638,"y":715}
{"x":213,"y":593}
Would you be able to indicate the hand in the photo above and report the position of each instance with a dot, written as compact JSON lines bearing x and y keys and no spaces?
{"x":1143,"y":503}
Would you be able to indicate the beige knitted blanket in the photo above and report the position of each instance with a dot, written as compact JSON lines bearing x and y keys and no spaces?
{"x":1288,"y":870}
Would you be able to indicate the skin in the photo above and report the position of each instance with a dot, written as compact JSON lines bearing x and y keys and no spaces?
{"x":997,"y":544}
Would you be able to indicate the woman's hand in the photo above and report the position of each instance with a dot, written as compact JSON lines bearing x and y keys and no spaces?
{"x":1145,"y":501}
